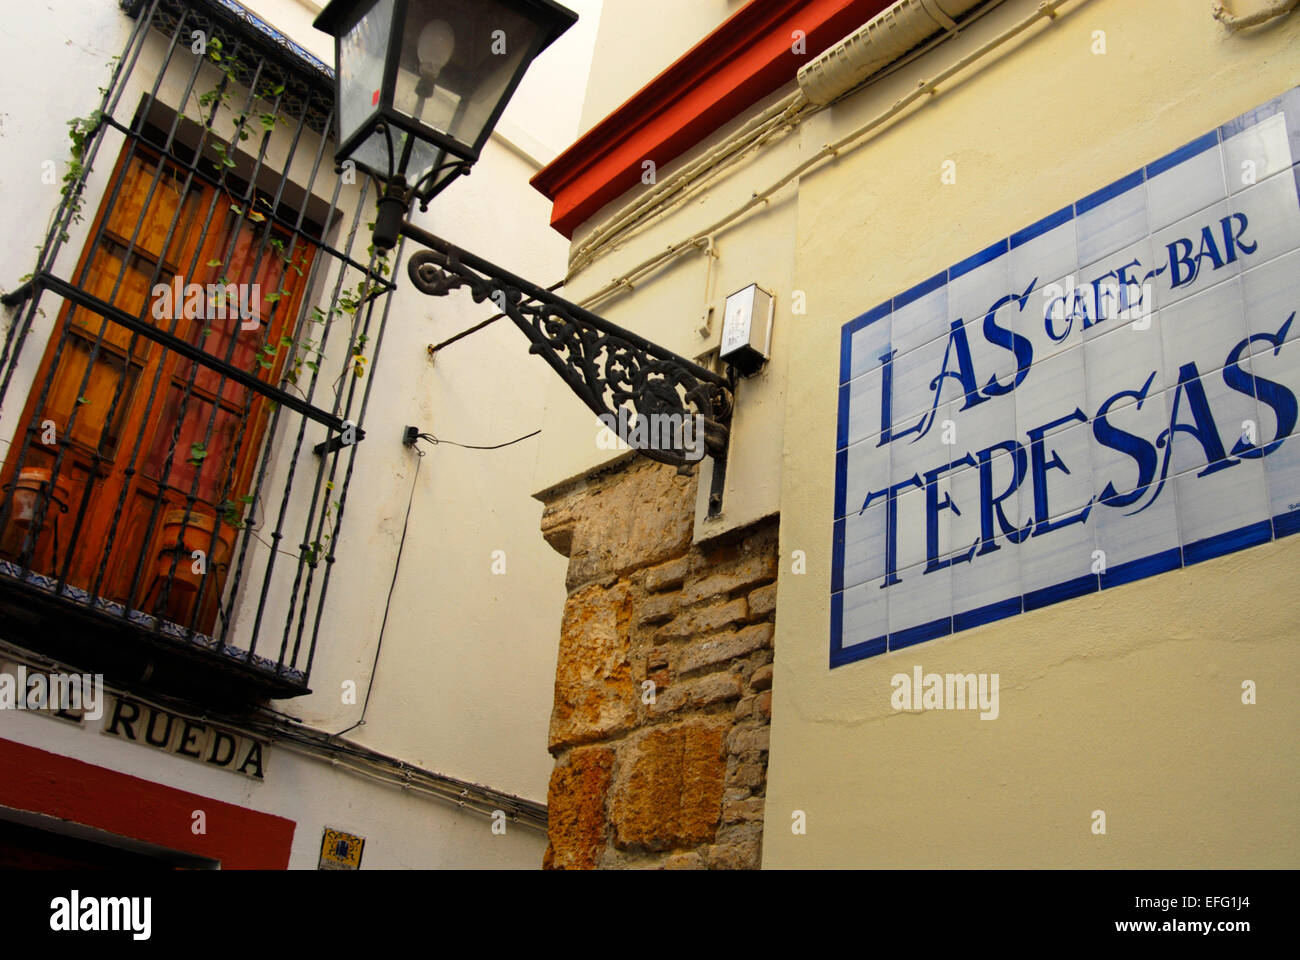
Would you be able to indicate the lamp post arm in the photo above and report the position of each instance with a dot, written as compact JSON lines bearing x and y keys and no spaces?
{"x":683,"y":409}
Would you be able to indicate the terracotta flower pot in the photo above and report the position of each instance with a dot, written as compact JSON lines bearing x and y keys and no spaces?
{"x":194,"y":533}
{"x":32,"y":485}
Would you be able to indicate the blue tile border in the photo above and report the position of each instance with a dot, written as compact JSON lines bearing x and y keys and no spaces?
{"x":852,"y":327}
{"x":837,"y":555}
{"x":276,"y":37}
{"x":1109,"y":192}
{"x":920,"y":290}
{"x":987,"y":614}
{"x":1138,"y":569}
{"x":1185,"y":152}
{"x":859,"y":651}
{"x":1241,"y":538}
{"x":842,"y":426}
{"x":987,"y":255}
{"x":1285,"y":524}
{"x":1057,"y":592}
{"x":919,"y":634}
{"x":1230,"y":542}
{"x":1040,"y":227}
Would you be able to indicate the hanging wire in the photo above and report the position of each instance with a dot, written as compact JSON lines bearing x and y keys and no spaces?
{"x":469,"y":446}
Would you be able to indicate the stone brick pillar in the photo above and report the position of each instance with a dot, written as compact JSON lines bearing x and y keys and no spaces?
{"x":663,"y":685}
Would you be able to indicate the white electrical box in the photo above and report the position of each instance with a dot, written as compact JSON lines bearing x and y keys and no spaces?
{"x":747,"y":329}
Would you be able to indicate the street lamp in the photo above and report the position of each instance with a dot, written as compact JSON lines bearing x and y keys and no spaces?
{"x":420,"y":85}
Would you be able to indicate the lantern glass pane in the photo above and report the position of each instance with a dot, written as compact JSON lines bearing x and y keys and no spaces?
{"x":361,"y":68}
{"x":457,"y":61}
{"x":372,"y":155}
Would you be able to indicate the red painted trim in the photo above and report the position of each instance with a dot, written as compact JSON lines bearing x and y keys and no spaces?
{"x":744,"y":60}
{"x":42,"y":782}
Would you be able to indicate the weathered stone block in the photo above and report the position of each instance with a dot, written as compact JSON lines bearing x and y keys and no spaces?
{"x":668,"y":790}
{"x":703,"y":620}
{"x":640,"y":517}
{"x":761,"y":679}
{"x":735,"y":856}
{"x":763,"y":600}
{"x":725,"y":646}
{"x":576,"y":809}
{"x":743,"y":811}
{"x":748,"y":740}
{"x":704,"y":692}
{"x":654,"y":610}
{"x":595,"y":695}
{"x":764,"y":704}
{"x":691,"y":860}
{"x":743,"y":574}
{"x":667,"y":576}
{"x":748,"y":832}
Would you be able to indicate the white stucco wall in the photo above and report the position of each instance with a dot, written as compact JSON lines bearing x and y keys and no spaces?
{"x":464,"y":682}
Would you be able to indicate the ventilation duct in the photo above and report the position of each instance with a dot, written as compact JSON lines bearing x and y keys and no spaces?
{"x":876,"y":44}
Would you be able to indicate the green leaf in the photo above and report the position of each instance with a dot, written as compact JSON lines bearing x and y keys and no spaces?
{"x":214,"y":263}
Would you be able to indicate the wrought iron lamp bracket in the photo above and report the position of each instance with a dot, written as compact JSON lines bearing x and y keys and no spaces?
{"x":612,"y":370}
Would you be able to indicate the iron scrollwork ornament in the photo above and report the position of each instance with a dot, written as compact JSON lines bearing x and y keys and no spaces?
{"x":620,"y":376}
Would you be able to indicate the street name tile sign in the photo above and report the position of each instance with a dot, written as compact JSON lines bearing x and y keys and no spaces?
{"x":1106,"y":395}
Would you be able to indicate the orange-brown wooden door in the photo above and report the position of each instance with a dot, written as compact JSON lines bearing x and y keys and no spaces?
{"x":165,"y":428}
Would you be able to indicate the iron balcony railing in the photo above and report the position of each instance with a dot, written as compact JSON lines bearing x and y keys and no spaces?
{"x":183,"y":400}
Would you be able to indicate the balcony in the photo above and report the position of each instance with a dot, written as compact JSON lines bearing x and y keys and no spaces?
{"x":183,"y":391}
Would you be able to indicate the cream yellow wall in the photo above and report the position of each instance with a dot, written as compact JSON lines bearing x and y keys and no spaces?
{"x":1127,"y":701}
{"x":670,"y":307}
{"x":635,"y":43}
{"x":638,"y":40}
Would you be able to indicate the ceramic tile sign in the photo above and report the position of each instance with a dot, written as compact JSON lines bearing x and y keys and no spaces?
{"x":340,"y":850}
{"x":1106,"y":395}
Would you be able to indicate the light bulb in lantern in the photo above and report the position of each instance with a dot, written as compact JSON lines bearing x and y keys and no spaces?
{"x":434,"y":48}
